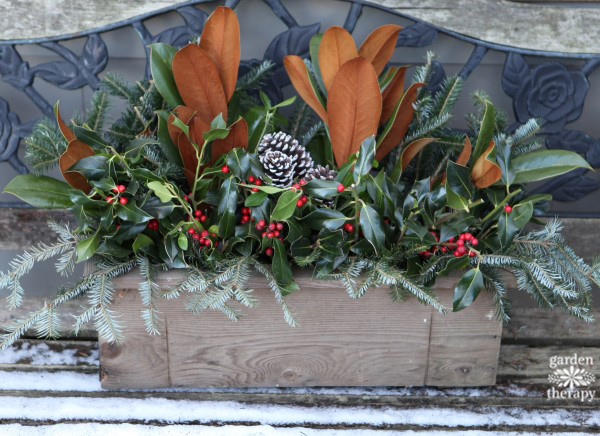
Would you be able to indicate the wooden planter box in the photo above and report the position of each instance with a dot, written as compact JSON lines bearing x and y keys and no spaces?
{"x":339,"y":342}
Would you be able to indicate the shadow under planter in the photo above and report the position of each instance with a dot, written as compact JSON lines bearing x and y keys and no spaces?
{"x":371,"y":341}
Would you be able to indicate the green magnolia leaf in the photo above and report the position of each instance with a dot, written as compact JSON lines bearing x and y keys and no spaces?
{"x":467,"y":289}
{"x":142,"y":241}
{"x":281,"y":266}
{"x":286,"y":205}
{"x":459,"y":188}
{"x":540,"y":165}
{"x":40,"y":191}
{"x":365,"y":158}
{"x":161,"y":191}
{"x":130,"y":212}
{"x":522,"y":214}
{"x":168,"y":147}
{"x":86,"y":248}
{"x":161,"y":61}
{"x":325,"y":218}
{"x":371,"y":225}
{"x":255,"y":199}
{"x":92,"y":167}
{"x":486,"y":131}
{"x":315,"y":42}
{"x":507,"y":229}
{"x":182,"y":241}
{"x":323,"y":189}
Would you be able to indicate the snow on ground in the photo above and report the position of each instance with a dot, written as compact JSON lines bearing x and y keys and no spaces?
{"x":39,"y":353}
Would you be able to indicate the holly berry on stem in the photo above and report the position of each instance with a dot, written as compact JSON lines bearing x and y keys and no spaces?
{"x":279,"y":226}
{"x":258,"y":182}
{"x":225,"y":170}
{"x":191,"y":231}
{"x":203,"y":219}
{"x":121,"y":188}
{"x":269,"y":252}
{"x":507,"y":209}
{"x":467,"y":236}
{"x":123,"y":201}
{"x":341,"y":188}
{"x":474,"y":242}
{"x":348,"y":227}
{"x":272,"y":226}
{"x":299,"y":203}
{"x":251,"y":179}
{"x":460,"y":242}
{"x":471,"y":254}
{"x":198,"y":214}
{"x":109,"y":200}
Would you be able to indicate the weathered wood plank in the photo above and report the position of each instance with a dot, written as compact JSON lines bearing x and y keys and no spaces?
{"x":21,"y":228}
{"x":569,"y":30}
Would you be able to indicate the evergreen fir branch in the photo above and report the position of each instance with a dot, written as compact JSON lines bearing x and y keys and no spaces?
{"x":311,"y":133}
{"x":423,"y":73}
{"x":48,"y":326}
{"x":445,"y":98}
{"x":528,"y":147}
{"x":527,"y":131}
{"x":97,"y":114}
{"x":44,"y":147}
{"x":83,"y":318}
{"x":105,"y":320}
{"x":493,"y":283}
{"x":299,"y":119}
{"x":18,"y":328}
{"x":277,"y":291}
{"x":427,"y":128}
{"x":348,"y":274}
{"x":114,"y":85}
{"x":254,"y":78}
{"x":149,"y":293}
{"x":305,"y":261}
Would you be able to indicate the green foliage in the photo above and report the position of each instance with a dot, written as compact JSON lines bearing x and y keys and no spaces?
{"x":44,"y":146}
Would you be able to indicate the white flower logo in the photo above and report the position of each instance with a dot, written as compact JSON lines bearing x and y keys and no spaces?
{"x":571,"y":377}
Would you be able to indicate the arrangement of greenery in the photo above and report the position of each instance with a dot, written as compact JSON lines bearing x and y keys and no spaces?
{"x":369,"y":186}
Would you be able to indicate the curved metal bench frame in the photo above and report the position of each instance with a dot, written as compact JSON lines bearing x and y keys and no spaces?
{"x":529,"y":87}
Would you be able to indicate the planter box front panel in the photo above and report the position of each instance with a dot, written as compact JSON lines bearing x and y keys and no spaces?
{"x":339,"y":341}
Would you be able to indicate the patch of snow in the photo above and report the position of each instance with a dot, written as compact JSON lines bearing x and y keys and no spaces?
{"x":185,"y":411}
{"x":39,"y":353}
{"x":93,"y":429}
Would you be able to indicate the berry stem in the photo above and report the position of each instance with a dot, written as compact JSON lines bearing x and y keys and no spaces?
{"x":500,"y":205}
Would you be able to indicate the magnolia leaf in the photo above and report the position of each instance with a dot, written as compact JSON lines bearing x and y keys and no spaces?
{"x":365,"y":158}
{"x":76,"y":150}
{"x":486,"y":130}
{"x":221,"y":41}
{"x":286,"y":205}
{"x":161,"y":59}
{"x":40,"y":191}
{"x":412,"y":149}
{"x":484,"y":172}
{"x":467,"y":289}
{"x":64,"y":129}
{"x":540,"y":165}
{"x":354,"y":93}
{"x":393,"y":94}
{"x":298,"y":74}
{"x":379,"y":46}
{"x":337,"y":47}
{"x":199,"y":83}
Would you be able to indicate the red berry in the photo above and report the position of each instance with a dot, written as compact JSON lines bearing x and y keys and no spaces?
{"x":279,"y":226}
{"x":349,"y":227}
{"x":299,"y":203}
{"x":205,"y":233}
{"x":255,"y":189}
{"x":225,"y":170}
{"x":253,"y":219}
{"x":186,"y":198}
{"x":196,"y":237}
{"x":259,"y":228}
{"x":216,"y":243}
{"x":461,"y":250}
{"x":258,"y":182}
{"x":460,"y":242}
{"x":251,"y":179}
{"x":262,"y":223}
{"x":118,"y":226}
{"x":109,"y":200}
{"x":304,"y":199}
{"x":451,"y":240}
{"x":303,"y":182}
{"x":444,"y":250}
{"x":474,"y":242}
{"x":272,"y":226}
{"x":198,"y":214}
{"x":471,"y":254}
{"x":264,"y":235}
{"x":203,"y":219}
{"x":123,"y":201}
{"x":507,"y":209}
{"x":269,"y":251}
{"x":296,"y":186}
{"x":115,"y":190}
{"x":461,"y":237}
{"x":340,"y":188}
{"x":207,"y":242}
{"x":245,"y":219}
{"x":270,"y":235}
{"x":213,"y":234}
{"x":456,"y":254}
{"x":191,"y":231}
{"x":276,"y":233}
{"x":468,"y":236}
{"x":121,"y":188}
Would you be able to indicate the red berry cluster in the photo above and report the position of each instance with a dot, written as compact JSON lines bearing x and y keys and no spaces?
{"x":246,"y":218}
{"x":254,"y":181}
{"x":458,"y":246}
{"x":273,"y":230}
{"x":118,"y":190}
{"x":302,"y":201}
{"x":204,"y":239}
{"x":200,"y":216}
{"x":153,"y":225}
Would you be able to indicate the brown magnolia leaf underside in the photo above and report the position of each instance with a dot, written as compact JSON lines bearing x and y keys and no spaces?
{"x":485,"y":173}
{"x":64,"y":129}
{"x":221,"y":41}
{"x":237,"y":138}
{"x":337,"y":47}
{"x":379,"y":46}
{"x":393,"y":94}
{"x":76,"y":150}
{"x":298,"y":74}
{"x":401,"y":123}
{"x":353,"y":107}
{"x":413,"y":149}
{"x":187,"y":151}
{"x":199,"y":83}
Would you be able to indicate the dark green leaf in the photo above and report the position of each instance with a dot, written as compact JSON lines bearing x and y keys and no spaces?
{"x":238,"y":161}
{"x":323,"y":189}
{"x":281,"y":266}
{"x":228,"y":199}
{"x":40,"y":191}
{"x":227,"y":224}
{"x":130,"y":212}
{"x":365,"y":158}
{"x":459,"y":188}
{"x":522,"y":214}
{"x":507,"y":229}
{"x":255,"y":199}
{"x":540,"y":165}
{"x":467,"y":289}
{"x":372,"y":227}
{"x":89,"y":137}
{"x":167,"y":145}
{"x":142,"y":241}
{"x":486,"y":130}
{"x":86,"y":248}
{"x":325,"y":218}
{"x":455,"y":226}
{"x":286,"y":205}
{"x":161,"y":60}
{"x":158,"y":209}
{"x":92,"y":168}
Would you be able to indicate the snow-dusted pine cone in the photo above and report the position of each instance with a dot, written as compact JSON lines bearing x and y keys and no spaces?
{"x":322,"y":173}
{"x":283,"y":158}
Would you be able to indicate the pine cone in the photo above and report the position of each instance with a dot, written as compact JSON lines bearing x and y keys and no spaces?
{"x":322,"y":173}
{"x":283,"y":158}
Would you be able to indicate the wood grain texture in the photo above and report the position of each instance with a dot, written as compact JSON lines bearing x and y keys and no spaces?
{"x":340,"y":342}
{"x":20,"y":228}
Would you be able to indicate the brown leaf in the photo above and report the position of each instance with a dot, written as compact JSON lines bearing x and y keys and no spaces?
{"x":353,"y":107}
{"x":64,"y":129}
{"x":199,"y":83}
{"x":413,"y":149}
{"x":197,"y":126}
{"x":379,"y":46}
{"x":221,"y":41}
{"x":337,"y":47}
{"x":392,"y":94}
{"x":237,"y":138}
{"x":298,"y":74}
{"x":465,"y":154}
{"x":76,"y":150}
{"x":401,"y":123}
{"x":484,"y":172}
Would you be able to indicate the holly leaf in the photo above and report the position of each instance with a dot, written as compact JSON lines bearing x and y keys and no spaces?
{"x":281,"y":266}
{"x":86,"y":248}
{"x":467,"y":289}
{"x":142,"y":241}
{"x":371,"y":225}
{"x":161,"y":191}
{"x":286,"y":205}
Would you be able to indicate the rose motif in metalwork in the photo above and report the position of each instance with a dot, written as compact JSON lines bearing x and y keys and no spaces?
{"x":553,"y":93}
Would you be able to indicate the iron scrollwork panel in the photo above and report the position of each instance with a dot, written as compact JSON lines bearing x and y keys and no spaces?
{"x":547,"y":90}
